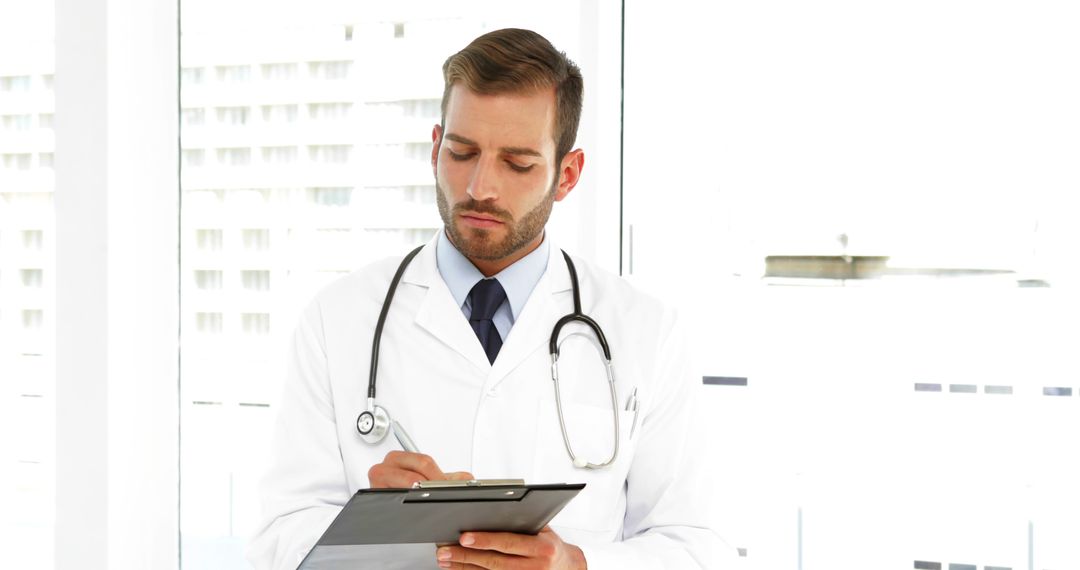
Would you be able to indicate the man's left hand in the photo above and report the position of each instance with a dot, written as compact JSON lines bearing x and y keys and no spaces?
{"x":509,"y":551}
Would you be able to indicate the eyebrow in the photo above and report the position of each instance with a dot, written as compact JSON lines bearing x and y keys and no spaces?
{"x":518,"y":150}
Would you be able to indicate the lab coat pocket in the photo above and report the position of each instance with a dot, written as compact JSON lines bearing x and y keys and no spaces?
{"x":599,"y":507}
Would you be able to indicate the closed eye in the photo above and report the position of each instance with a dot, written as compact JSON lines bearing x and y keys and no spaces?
{"x":460,"y":157}
{"x":518,"y":167}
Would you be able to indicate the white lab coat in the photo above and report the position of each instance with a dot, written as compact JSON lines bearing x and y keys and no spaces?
{"x":494,"y":421}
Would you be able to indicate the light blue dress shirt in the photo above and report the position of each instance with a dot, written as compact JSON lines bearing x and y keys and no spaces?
{"x":518,"y":280}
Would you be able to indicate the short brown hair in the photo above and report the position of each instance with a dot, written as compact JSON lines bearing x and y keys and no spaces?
{"x":514,"y":61}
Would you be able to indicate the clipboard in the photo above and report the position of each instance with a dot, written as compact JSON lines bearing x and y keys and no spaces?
{"x":437,"y":512}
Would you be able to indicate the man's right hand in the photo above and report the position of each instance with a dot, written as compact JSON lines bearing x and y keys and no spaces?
{"x":400,"y":469}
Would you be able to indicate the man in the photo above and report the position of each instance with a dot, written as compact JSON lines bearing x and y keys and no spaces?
{"x":474,"y":390}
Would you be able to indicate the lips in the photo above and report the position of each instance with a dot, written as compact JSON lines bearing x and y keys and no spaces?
{"x":480,"y":220}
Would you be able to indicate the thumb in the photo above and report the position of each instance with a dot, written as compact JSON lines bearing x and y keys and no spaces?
{"x":459,"y":476}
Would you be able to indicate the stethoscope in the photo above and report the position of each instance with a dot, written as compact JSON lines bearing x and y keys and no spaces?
{"x":374,"y":422}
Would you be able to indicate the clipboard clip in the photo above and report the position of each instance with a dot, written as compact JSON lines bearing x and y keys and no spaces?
{"x":469,"y":483}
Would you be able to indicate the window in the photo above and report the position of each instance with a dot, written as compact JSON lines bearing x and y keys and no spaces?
{"x":330,"y":154}
{"x":233,"y":116}
{"x":22,"y":122}
{"x":32,"y":239}
{"x":17,"y":161}
{"x":31,"y":278}
{"x":331,"y":70}
{"x":234,"y":156}
{"x":208,"y":240}
{"x":45,"y":121}
{"x":422,"y":108}
{"x":255,"y":323}
{"x":193,"y":157}
{"x":280,"y":154}
{"x":279,"y":113}
{"x":279,"y":71}
{"x":192,"y":76}
{"x":15,"y":83}
{"x":32,"y":319}
{"x":256,"y":240}
{"x":208,"y":280}
{"x":329,"y":111}
{"x":255,"y":280}
{"x":193,"y":117}
{"x":330,"y":196}
{"x":45,"y":160}
{"x":208,"y":323}
{"x":234,"y":73}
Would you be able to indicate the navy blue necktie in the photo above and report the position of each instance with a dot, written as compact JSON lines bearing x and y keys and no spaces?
{"x":486,"y":296}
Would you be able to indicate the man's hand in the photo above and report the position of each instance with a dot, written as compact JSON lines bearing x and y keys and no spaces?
{"x":400,"y":469}
{"x":509,"y":551}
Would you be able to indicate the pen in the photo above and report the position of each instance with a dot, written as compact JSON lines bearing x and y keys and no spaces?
{"x":403,"y":438}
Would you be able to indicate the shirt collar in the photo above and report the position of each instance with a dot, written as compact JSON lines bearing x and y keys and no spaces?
{"x":518,"y":280}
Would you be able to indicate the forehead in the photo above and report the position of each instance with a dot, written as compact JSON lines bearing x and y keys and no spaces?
{"x":524,"y":120}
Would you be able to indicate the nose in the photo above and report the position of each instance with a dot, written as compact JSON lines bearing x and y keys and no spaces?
{"x":484,"y":182}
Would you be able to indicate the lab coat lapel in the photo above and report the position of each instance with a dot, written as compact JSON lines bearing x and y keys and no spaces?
{"x":533,"y":327}
{"x":438,"y":314}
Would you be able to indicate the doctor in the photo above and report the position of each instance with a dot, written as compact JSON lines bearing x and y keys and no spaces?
{"x":464,"y":363}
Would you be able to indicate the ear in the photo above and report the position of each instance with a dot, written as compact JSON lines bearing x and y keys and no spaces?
{"x":436,"y":142}
{"x":569,"y":173}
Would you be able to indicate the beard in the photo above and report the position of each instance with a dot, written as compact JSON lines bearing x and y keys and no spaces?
{"x":479,"y":243}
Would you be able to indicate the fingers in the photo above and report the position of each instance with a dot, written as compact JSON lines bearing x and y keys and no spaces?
{"x":459,"y":476}
{"x":541,"y":546}
{"x":501,"y":551}
{"x":400,"y":469}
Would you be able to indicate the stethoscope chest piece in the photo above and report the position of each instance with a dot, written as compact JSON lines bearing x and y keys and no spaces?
{"x":373,"y":423}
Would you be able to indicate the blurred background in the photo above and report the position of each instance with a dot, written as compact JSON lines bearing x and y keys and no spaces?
{"x":865,"y":211}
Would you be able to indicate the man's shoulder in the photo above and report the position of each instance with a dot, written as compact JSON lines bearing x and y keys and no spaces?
{"x":618,"y":291}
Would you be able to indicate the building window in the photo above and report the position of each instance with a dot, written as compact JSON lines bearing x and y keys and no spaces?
{"x":209,"y":240}
{"x":422,"y":108}
{"x":234,"y":73}
{"x":330,"y":153}
{"x":45,"y":121}
{"x":256,"y":240}
{"x":255,"y":323}
{"x":417,"y":151}
{"x":15,"y":83}
{"x":21,"y":122}
{"x":32,"y":319}
{"x":330,"y":70}
{"x":279,"y":71}
{"x":280,"y":113}
{"x":32,"y":240}
{"x":193,"y":117}
{"x":329,"y":111}
{"x":233,"y":116}
{"x":17,"y":161}
{"x":334,"y":197}
{"x":193,"y":156}
{"x":210,"y":323}
{"x":234,"y":156}
{"x":190,"y":76}
{"x":255,"y":280}
{"x":31,"y":278}
{"x":47,"y":80}
{"x":209,"y":279}
{"x":45,"y":160}
{"x":399,"y":30}
{"x":280,"y":154}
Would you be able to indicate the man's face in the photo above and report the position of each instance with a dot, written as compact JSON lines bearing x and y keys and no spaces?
{"x":496,"y":175}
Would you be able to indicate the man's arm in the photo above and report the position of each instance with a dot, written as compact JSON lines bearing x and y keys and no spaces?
{"x":305,"y":486}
